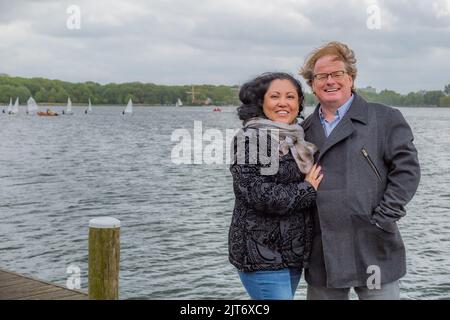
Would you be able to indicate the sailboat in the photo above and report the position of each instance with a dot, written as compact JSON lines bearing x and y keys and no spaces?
{"x":32,"y":107}
{"x":68,"y":107}
{"x":129,"y":108}
{"x":10,"y":106}
{"x":89,"y":109}
{"x":178,"y":103}
{"x":14,"y":108}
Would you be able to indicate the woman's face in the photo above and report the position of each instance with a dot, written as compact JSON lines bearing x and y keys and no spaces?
{"x":281,"y":101}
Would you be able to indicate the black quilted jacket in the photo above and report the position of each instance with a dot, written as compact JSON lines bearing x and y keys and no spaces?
{"x":271,"y":227}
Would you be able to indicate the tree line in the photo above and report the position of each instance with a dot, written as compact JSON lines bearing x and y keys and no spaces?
{"x":56,"y":91}
{"x":434,"y":98}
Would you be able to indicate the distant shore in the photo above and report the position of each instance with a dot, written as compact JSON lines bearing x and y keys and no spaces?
{"x":52,"y":104}
{"x":150,"y":94}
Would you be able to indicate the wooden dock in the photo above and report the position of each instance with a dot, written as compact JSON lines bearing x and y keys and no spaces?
{"x":14,"y":286}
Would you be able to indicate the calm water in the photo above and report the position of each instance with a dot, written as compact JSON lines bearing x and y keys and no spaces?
{"x":58,"y":173}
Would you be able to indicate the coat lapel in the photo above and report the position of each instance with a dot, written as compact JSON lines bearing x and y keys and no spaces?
{"x":343,"y":130}
{"x":357,"y":112}
{"x":314,"y":131}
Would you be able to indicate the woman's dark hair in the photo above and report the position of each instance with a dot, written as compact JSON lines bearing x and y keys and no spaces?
{"x":252,"y":94}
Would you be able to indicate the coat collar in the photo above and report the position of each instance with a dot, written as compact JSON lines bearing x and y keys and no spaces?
{"x":358,"y":111}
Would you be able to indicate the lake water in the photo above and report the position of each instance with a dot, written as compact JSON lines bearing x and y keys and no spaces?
{"x":57,"y":173}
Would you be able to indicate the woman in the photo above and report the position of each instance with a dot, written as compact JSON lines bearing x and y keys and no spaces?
{"x":270,"y":232}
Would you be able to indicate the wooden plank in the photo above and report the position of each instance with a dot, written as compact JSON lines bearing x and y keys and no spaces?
{"x":74,"y":297}
{"x":13,"y":281}
{"x":26,"y":285}
{"x":4,"y":276}
{"x":23,"y":289}
{"x":16,"y":286}
{"x":30,"y":294}
{"x":59,"y":294}
{"x":37,"y":291}
{"x":39,"y":280}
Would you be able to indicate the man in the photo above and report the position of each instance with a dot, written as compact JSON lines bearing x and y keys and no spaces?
{"x":371,"y":171}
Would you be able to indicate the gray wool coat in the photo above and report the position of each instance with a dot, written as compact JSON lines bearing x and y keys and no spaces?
{"x":371,"y":171}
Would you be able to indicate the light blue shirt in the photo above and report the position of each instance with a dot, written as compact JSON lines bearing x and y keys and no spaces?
{"x":340,"y":113}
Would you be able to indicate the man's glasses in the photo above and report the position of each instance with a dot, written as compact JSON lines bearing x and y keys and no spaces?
{"x":336,"y":75}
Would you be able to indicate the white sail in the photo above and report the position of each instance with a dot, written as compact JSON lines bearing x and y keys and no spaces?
{"x":178,"y":103}
{"x":89,"y":108}
{"x":32,"y":106}
{"x":129,"y":108}
{"x":10,"y":106}
{"x":15,"y":108}
{"x":69,"y":106}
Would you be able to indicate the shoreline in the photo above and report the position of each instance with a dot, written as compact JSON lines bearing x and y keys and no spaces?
{"x":120,"y":105}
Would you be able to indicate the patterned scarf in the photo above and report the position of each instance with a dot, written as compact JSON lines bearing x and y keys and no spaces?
{"x":291,"y":137}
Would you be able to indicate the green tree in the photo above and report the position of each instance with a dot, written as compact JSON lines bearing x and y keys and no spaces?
{"x":444,"y":101}
{"x":310,"y":99}
{"x":56,"y":91}
{"x":447,"y":89}
{"x":390,"y":97}
{"x":52,"y":95}
{"x":41,"y":95}
{"x":432,"y":97}
{"x":6,"y":92}
{"x":369,"y":95}
{"x":413,"y":99}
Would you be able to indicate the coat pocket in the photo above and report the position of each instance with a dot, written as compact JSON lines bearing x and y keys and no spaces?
{"x":371,"y":164}
{"x":373,"y":243}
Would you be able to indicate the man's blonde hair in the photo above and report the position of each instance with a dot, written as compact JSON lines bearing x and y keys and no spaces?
{"x":341,"y":51}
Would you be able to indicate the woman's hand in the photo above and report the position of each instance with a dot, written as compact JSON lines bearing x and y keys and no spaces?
{"x":314,"y":176}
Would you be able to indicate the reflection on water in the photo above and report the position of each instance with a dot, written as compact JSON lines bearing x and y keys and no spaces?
{"x":57,"y":173}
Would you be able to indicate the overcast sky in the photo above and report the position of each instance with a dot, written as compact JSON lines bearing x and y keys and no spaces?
{"x":401,"y":45}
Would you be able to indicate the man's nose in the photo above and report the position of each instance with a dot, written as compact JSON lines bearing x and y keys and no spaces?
{"x":330,"y":79}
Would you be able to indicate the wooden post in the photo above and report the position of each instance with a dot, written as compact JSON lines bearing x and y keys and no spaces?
{"x":104,"y":256}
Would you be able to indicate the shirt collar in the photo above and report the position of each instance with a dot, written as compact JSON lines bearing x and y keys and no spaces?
{"x":341,"y":111}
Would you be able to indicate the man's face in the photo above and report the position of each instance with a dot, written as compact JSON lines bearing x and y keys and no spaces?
{"x":332,"y":92}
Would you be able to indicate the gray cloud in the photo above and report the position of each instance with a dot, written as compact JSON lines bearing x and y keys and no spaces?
{"x":223,"y":41}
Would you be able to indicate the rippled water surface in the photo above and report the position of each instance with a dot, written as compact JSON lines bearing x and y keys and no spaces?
{"x":57,"y":173}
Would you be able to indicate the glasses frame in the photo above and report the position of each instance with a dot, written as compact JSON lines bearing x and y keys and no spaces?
{"x":335,"y":75}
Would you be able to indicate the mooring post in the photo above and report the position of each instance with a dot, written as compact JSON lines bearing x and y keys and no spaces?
{"x":104,"y":257}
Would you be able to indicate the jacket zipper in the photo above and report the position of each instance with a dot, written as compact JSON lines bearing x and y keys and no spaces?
{"x":366,"y":155}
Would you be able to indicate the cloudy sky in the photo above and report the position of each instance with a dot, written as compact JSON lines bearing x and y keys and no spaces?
{"x":401,"y":45}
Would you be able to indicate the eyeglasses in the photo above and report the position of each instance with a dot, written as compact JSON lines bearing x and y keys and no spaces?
{"x":336,"y":75}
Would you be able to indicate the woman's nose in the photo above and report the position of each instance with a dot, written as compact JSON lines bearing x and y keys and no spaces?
{"x":283,"y":102}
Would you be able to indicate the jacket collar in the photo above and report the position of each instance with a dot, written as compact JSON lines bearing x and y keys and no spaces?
{"x":358,"y":111}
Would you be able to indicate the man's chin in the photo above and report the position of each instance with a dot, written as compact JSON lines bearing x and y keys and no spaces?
{"x":330,"y":102}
